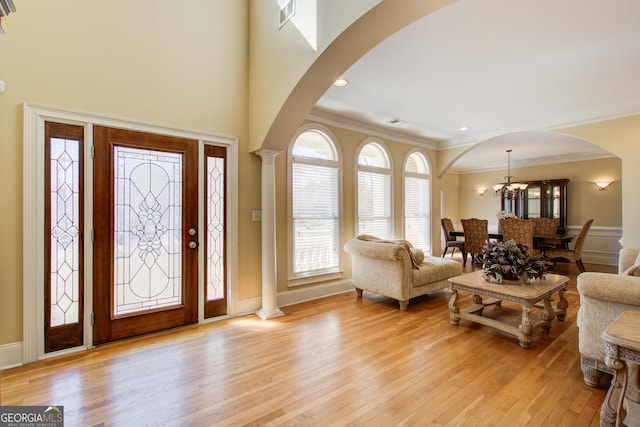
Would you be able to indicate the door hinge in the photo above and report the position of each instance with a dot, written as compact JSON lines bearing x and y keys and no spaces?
{"x":93,"y":319}
{"x":93,"y":151}
{"x":93,"y":235}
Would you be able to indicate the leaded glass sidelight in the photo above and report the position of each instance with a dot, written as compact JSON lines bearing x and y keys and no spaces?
{"x":215,"y":228}
{"x":147,"y":230}
{"x":65,"y":256}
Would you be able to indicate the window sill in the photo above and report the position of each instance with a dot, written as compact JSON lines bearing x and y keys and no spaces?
{"x":314,"y":278}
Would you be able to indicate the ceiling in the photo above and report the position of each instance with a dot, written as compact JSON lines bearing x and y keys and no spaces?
{"x":507,"y":69}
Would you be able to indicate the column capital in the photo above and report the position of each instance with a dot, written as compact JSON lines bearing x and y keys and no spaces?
{"x":268,"y":154}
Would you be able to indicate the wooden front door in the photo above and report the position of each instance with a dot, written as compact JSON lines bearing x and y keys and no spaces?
{"x":145,"y":233}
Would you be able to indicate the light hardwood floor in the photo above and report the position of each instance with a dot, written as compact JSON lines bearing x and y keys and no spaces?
{"x":332,"y":361}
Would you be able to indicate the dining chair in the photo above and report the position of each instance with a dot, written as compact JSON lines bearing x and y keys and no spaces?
{"x":545,"y":226}
{"x":574,"y":254}
{"x":476,"y":236}
{"x":520,"y":230}
{"x":452,"y":241}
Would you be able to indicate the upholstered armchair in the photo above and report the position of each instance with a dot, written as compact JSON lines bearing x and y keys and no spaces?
{"x":603,"y":297}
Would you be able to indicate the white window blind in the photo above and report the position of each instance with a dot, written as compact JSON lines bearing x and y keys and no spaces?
{"x":374,"y":204}
{"x":417,"y":202}
{"x":374,"y":192}
{"x":315,"y":217}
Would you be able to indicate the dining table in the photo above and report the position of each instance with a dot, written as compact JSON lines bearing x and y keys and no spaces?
{"x":561,"y":240}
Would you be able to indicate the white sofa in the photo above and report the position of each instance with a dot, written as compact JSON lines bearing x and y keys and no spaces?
{"x":603,"y":297}
{"x":386,"y":268}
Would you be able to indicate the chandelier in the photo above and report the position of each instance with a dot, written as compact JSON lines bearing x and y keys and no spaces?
{"x":6,"y":7}
{"x":509,"y":190}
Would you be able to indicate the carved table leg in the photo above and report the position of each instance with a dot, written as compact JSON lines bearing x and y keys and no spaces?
{"x":562,"y":305}
{"x":477,"y":299}
{"x":612,"y":412}
{"x":526,"y":327}
{"x":547,"y":315}
{"x":453,"y":308}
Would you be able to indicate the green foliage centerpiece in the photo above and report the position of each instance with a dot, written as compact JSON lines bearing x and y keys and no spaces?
{"x":511,"y":261}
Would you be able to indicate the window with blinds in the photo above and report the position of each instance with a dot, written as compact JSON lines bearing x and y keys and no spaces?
{"x":314,"y":206}
{"x":417,"y":202}
{"x":374,"y":191}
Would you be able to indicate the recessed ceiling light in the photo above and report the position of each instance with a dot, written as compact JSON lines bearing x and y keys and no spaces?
{"x":341,"y":82}
{"x":463,"y":128}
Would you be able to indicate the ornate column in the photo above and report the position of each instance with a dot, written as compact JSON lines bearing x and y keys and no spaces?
{"x":269,"y":285}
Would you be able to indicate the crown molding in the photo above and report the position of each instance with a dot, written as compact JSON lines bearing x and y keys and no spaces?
{"x":332,"y":119}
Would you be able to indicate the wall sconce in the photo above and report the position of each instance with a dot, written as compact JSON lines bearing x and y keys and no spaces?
{"x":481,"y":191}
{"x":603,"y":185}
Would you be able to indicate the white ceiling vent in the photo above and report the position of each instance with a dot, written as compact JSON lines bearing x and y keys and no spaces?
{"x":287,"y":10}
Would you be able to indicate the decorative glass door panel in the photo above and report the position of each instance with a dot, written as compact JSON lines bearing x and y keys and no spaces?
{"x":147,"y":230}
{"x":215,"y":243}
{"x":145,"y":247}
{"x":64,"y":231}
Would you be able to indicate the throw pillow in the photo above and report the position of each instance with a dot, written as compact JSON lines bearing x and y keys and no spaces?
{"x":418,"y":254}
{"x":634,"y":270}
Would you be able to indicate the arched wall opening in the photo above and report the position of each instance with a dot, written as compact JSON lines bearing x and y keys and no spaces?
{"x":467,"y":189}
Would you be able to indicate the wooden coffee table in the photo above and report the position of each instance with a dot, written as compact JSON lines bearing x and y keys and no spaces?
{"x":528,"y":295}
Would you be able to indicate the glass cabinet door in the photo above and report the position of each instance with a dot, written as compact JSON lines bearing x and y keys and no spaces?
{"x":532,"y":202}
{"x":552,"y":201}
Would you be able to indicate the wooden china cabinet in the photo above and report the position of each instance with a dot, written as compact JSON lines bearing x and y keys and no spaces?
{"x":541,"y":199}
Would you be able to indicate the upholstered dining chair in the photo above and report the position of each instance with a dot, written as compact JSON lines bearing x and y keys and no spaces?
{"x":574,"y":254}
{"x":476,"y":235}
{"x":545,"y":227}
{"x":452,"y":241}
{"x":520,"y":230}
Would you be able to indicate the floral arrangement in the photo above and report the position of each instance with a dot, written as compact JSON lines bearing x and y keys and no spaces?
{"x":505,"y":215}
{"x":511,"y":261}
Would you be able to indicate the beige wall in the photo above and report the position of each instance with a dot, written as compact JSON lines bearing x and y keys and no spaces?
{"x":584,"y":199}
{"x":180,"y":66}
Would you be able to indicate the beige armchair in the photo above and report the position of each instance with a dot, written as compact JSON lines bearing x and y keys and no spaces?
{"x":603,"y":297}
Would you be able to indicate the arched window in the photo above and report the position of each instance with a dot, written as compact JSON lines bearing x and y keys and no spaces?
{"x":374,"y":191}
{"x":314,"y":206}
{"x":417,"y":201}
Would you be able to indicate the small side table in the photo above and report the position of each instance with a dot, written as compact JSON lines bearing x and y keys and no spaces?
{"x":621,"y":406}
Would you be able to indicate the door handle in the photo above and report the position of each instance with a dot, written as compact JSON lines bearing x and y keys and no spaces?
{"x":192,"y":244}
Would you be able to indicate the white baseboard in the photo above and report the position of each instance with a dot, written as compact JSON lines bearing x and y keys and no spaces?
{"x":10,"y":355}
{"x":599,"y":258}
{"x":248,"y":306}
{"x":295,"y":296}
{"x":314,"y":292}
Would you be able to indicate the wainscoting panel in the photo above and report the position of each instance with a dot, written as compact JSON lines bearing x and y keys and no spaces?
{"x":601,"y":246}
